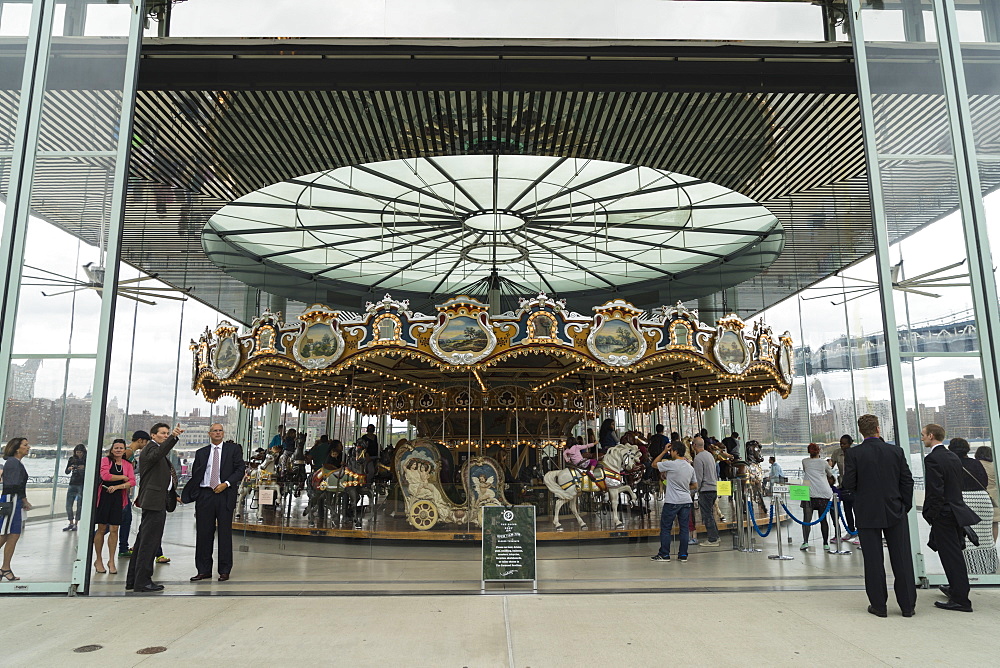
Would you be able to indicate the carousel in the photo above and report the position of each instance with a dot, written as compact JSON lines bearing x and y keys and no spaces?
{"x":492,"y":400}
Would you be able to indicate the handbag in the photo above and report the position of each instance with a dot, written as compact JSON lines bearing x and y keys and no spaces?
{"x":6,"y":507}
{"x":992,"y":500}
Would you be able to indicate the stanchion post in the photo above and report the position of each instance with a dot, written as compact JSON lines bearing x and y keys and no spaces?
{"x":738,"y":512}
{"x":751,"y":530}
{"x":776,"y":499}
{"x":836,"y":528}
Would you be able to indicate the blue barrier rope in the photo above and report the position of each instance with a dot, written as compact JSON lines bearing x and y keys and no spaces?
{"x":753,"y":520}
{"x":844,"y":522}
{"x":809,"y":524}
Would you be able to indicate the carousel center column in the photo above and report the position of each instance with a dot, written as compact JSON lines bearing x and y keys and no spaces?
{"x":708,"y":312}
{"x":272,"y":411}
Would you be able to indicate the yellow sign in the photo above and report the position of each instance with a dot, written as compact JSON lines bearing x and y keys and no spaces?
{"x":724,"y":488}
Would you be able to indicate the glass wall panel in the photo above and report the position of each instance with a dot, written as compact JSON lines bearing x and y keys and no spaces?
{"x":942,"y":325}
{"x":51,"y":330}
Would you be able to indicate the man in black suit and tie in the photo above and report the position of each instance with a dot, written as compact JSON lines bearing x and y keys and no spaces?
{"x":944,"y":510}
{"x":157,"y":490}
{"x":879,"y":476}
{"x":215,"y":478}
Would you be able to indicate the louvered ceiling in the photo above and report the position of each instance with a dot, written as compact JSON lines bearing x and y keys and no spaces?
{"x":798,"y":153}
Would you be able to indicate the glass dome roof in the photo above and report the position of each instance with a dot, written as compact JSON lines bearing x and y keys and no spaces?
{"x":436,"y":225}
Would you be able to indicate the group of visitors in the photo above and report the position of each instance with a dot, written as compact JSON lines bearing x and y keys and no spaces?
{"x":960,"y":505}
{"x":691,"y":469}
{"x":218,"y":468}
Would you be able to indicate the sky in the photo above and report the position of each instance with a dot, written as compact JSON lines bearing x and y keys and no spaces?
{"x":593,"y":19}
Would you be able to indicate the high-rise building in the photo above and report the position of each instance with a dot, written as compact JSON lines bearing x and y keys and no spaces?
{"x":22,"y":380}
{"x":965,"y":407}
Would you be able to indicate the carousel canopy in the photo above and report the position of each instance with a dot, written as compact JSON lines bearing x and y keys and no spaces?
{"x":540,"y":358}
{"x":573,"y":227}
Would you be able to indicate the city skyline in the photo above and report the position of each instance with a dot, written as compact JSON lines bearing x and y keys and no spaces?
{"x":962,"y":414}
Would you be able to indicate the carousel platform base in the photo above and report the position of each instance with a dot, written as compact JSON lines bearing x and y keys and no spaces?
{"x":389,"y":528}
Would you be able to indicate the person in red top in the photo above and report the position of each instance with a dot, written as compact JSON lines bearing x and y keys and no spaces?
{"x":117,"y":477}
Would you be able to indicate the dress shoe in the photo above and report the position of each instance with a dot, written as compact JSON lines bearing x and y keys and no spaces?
{"x":878,"y":613}
{"x":223,"y":577}
{"x":151,"y":587}
{"x":952,"y":605}
{"x":908,"y":613}
{"x":129,"y":586}
{"x":945,"y":589}
{"x":201,"y":576}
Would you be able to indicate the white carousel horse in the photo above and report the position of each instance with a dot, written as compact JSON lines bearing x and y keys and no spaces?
{"x":566,"y":484}
{"x":263,"y":477}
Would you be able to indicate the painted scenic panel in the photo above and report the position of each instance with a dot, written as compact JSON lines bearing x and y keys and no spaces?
{"x":731,"y":349}
{"x":318,"y":341}
{"x":462,"y":334}
{"x":542,"y":327}
{"x":227,"y":356}
{"x":266,"y":338}
{"x":616,"y":338}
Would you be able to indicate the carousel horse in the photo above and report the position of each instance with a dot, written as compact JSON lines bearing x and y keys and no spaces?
{"x":359,"y":472}
{"x":247,"y":485}
{"x":264,"y":476}
{"x":637,"y":477}
{"x":755,"y":473}
{"x":385,"y":473}
{"x":566,"y":484}
{"x":325,"y":485}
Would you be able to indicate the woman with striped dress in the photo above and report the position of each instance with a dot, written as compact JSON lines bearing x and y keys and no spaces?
{"x":982,"y":558}
{"x":13,"y":501}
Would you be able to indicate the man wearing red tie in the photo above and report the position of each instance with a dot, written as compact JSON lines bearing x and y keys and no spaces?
{"x":215,"y":478}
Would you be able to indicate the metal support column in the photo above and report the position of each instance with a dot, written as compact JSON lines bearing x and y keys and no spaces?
{"x":882,"y":258}
{"x":913,"y":21}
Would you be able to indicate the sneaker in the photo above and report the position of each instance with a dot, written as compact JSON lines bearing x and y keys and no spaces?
{"x":828,"y":548}
{"x":804,"y":547}
{"x":659,"y":558}
{"x":683,"y":559}
{"x":855,"y":542}
{"x":75,"y":527}
{"x":162,"y":560}
{"x":69,"y":527}
{"x":710,"y":543}
{"x":125,"y":553}
{"x":846,"y":537}
{"x":692,"y":541}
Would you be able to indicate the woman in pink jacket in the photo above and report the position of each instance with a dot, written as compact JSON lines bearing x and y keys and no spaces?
{"x":117,"y":476}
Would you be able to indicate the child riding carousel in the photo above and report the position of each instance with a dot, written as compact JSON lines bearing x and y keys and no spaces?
{"x":573,"y":454}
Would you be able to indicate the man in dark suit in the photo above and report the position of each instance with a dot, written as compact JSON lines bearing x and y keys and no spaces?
{"x":879,"y":476}
{"x":943,"y":508}
{"x":215,"y":478}
{"x":157,"y":491}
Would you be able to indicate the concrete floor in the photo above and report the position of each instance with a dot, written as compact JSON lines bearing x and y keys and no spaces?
{"x":523,"y":631}
{"x":419,"y":605}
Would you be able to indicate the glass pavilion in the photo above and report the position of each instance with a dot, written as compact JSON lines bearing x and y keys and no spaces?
{"x":831,"y":167}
